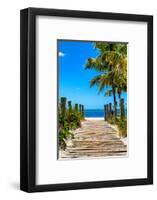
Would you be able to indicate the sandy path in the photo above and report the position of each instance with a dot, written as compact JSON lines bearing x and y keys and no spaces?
{"x":94,"y":139}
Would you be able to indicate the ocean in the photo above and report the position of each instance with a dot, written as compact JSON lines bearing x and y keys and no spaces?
{"x":94,"y":113}
{"x":97,"y":112}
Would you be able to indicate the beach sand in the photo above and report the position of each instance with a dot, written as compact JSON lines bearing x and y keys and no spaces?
{"x":94,"y":118}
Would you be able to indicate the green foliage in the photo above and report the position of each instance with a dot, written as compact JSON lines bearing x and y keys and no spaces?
{"x":122,"y":126}
{"x":69,"y":119}
{"x":63,"y":134}
{"x":112,"y":119}
{"x":119,"y":120}
{"x":73,"y":118}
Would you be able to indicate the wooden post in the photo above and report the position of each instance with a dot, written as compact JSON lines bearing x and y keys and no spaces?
{"x":122,"y":111}
{"x":80,"y":108}
{"x":107,"y":113}
{"x":82,"y":111}
{"x":110,"y":109}
{"x":70,"y":106}
{"x":115,"y":109}
{"x":105,"y":118}
{"x":76,"y":107}
{"x":59,"y":107}
{"x":63,"y":106}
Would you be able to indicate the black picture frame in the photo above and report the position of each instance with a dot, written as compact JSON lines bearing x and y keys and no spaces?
{"x":28,"y":99}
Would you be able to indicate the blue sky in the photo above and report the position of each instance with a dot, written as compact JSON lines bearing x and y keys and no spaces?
{"x":74,"y":79}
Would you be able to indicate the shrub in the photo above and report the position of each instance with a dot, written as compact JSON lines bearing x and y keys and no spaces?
{"x":122,"y":126}
{"x":69,"y":119}
{"x":63,"y":134}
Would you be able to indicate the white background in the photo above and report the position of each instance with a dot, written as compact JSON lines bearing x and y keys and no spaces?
{"x":9,"y":99}
{"x":132,"y":166}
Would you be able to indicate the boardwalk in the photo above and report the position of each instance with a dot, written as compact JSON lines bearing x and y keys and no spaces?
{"x":94,"y":139}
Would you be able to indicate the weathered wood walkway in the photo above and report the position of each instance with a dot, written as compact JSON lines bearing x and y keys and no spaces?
{"x":94,"y":139}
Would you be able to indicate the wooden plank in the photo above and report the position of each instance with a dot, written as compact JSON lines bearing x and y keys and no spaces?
{"x":95,"y":138}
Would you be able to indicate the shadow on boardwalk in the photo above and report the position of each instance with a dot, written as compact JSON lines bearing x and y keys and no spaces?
{"x":95,"y":138}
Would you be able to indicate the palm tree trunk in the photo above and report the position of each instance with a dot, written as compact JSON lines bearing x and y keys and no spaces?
{"x":115,"y":102}
{"x":119,"y":95}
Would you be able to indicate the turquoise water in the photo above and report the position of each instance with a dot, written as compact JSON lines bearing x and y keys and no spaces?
{"x":97,"y":112}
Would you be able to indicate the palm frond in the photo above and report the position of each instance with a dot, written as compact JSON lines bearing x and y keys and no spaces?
{"x":105,"y":80}
{"x":96,"y":63}
{"x":108,"y":93}
{"x":112,"y":64}
{"x":95,"y":81}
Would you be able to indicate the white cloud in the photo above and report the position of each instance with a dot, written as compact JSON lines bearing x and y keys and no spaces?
{"x":61,"y":54}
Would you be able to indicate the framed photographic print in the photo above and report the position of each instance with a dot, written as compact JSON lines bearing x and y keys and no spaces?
{"x":86,"y":99}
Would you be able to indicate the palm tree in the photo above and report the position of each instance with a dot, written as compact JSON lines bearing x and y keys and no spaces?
{"x":111,"y":64}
